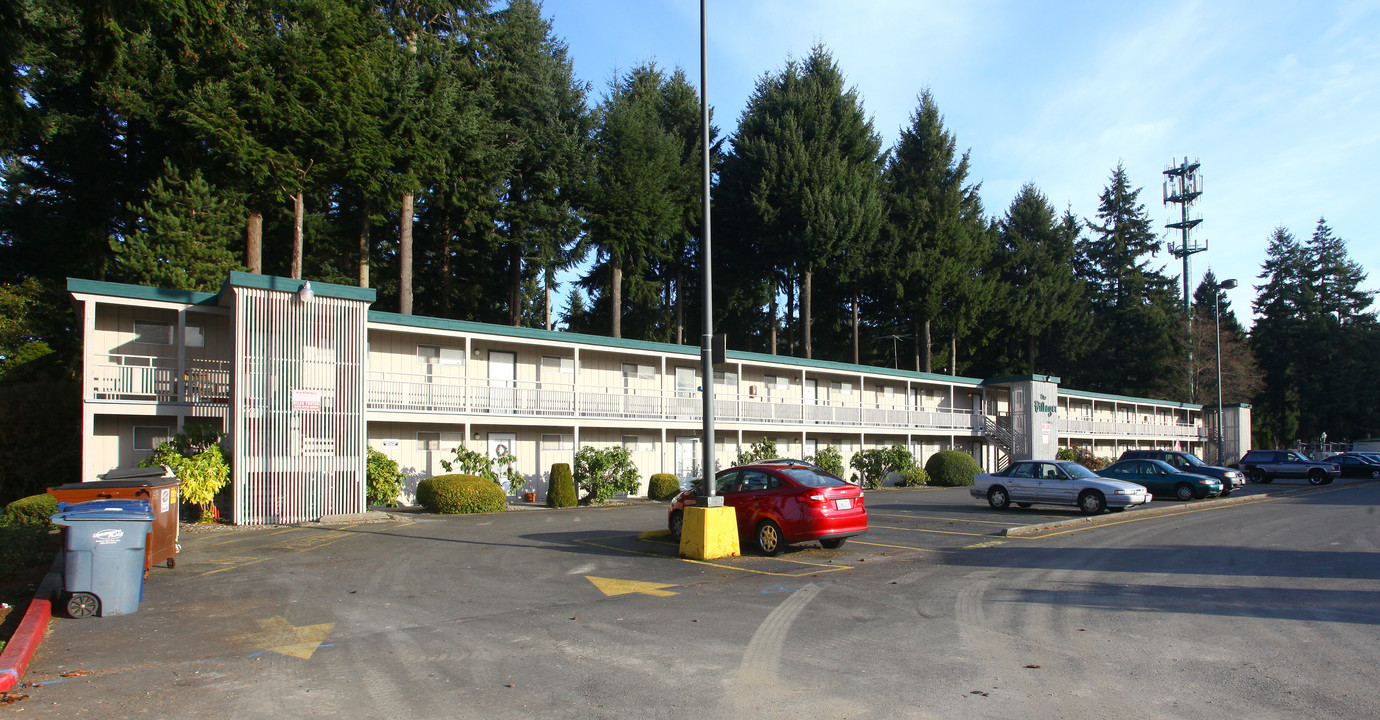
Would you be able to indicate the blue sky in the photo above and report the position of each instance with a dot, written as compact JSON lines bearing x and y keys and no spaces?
{"x":1279,"y":100}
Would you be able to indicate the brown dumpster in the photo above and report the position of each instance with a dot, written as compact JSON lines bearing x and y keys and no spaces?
{"x":157,"y":485}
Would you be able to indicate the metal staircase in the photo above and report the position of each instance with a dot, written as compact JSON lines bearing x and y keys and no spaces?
{"x":1003,"y":435}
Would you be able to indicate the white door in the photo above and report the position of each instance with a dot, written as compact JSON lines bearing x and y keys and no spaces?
{"x":501,"y":445}
{"x":811,"y":448}
{"x":502,"y":380}
{"x":687,"y":455}
{"x":811,"y":391}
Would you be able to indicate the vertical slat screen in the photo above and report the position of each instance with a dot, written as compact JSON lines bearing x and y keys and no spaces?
{"x":294,"y":465}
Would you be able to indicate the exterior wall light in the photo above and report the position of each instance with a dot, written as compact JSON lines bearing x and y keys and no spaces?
{"x":305,"y":294}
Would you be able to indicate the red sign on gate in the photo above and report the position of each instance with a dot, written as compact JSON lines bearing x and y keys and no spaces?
{"x":306,"y":400}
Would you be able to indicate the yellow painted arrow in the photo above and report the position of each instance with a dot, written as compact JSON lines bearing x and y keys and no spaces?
{"x":612,"y":586}
{"x":299,"y":641}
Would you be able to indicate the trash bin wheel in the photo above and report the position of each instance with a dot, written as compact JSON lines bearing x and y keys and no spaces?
{"x":83,"y":605}
{"x":171,"y":563}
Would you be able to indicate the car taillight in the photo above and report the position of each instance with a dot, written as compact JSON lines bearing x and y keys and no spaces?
{"x":816,"y":498}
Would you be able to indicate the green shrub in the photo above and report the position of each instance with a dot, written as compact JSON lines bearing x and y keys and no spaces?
{"x":914,"y":476}
{"x":873,"y":466}
{"x":561,"y":492}
{"x":663,"y":486}
{"x":1066,"y":454}
{"x":603,"y":473}
{"x":499,"y":470}
{"x":456,"y":494}
{"x":32,"y":510}
{"x":951,"y":468}
{"x":764,"y":449}
{"x":828,"y":459}
{"x":202,"y":475}
{"x":383,"y":479}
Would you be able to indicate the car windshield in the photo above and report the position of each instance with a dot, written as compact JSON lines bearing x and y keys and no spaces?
{"x":1192,"y":460}
{"x":1297,"y":457}
{"x":1078,"y":471}
{"x":810,"y":477}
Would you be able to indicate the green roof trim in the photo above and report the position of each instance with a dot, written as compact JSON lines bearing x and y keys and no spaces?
{"x":282,"y":284}
{"x":1126,"y":398}
{"x":140,"y":292}
{"x":432,"y":323}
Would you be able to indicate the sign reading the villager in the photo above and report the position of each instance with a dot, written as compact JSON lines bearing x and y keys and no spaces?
{"x":306,"y":400}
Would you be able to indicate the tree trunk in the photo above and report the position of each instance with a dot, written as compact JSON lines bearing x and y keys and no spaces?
{"x":447,"y":283}
{"x":925,"y":346}
{"x":791,"y":324}
{"x":298,"y":211}
{"x":915,"y":337}
{"x":680,"y":309}
{"x":805,"y":311}
{"x":364,"y":245}
{"x":616,"y":293}
{"x":254,"y":242}
{"x":953,"y":352}
{"x":405,"y":255}
{"x":771,"y":342}
{"x":515,"y":285}
{"x":856,"y":329}
{"x":549,"y":280}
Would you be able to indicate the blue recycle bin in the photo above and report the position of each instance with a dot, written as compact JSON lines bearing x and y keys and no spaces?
{"x":103,"y":555}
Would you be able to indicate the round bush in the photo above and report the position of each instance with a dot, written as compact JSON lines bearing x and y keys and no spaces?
{"x":663,"y":486}
{"x":31,"y":510}
{"x":561,"y":492}
{"x":455,"y":494}
{"x":951,"y":468}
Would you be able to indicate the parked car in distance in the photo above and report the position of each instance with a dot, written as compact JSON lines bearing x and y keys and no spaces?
{"x":1163,"y":479}
{"x":1186,"y":462}
{"x":1264,"y":466}
{"x":778,"y":502}
{"x":1056,"y":482}
{"x":1355,"y":465}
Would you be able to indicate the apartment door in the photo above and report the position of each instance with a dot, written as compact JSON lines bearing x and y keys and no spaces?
{"x":501,"y":445}
{"x":687,"y":454}
{"x":502,"y":380}
{"x":811,"y":391}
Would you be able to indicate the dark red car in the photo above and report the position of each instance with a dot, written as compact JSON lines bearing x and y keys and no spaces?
{"x":779,"y":502}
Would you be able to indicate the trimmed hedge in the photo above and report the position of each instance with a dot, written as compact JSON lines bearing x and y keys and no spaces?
{"x":456,"y":494}
{"x":951,"y":468}
{"x":31,"y":510}
{"x":663,"y":486}
{"x":561,"y":492}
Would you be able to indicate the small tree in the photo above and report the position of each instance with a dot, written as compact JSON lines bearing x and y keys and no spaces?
{"x":873,"y":466}
{"x":764,"y":449}
{"x":202,"y":475}
{"x":828,"y":459}
{"x":383,"y":478}
{"x":473,"y":462}
{"x":602,"y":473}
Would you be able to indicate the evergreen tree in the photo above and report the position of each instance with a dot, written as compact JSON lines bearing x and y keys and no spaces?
{"x":1282,"y":305}
{"x":1241,"y":376}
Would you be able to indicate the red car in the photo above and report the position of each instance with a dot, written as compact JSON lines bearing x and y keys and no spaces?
{"x":784,"y":501}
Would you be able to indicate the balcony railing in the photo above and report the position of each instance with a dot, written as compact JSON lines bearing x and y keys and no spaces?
{"x":158,"y":379}
{"x":418,"y":393}
{"x":1110,"y":428}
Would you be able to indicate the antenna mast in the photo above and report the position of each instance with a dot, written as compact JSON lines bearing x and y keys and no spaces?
{"x":1182,"y":186}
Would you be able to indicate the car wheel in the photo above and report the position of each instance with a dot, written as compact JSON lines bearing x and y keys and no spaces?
{"x":1025,"y":505}
{"x":1317,"y":477}
{"x":1258,"y":476}
{"x":998,"y":498}
{"x":768,"y":538}
{"x":1091,"y":502}
{"x":82,"y":605}
{"x":1375,"y":474}
{"x":1183,"y":491}
{"x":676,"y":522}
{"x":832,"y":543}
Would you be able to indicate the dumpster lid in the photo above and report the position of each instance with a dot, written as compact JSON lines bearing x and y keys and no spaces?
{"x":138,"y":473}
{"x":98,"y":484}
{"x":134,"y":510}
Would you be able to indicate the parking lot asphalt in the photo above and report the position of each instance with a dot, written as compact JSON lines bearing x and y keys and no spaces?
{"x":403,"y":616}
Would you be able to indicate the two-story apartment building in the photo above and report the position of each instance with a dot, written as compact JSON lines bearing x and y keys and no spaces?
{"x":304,"y":376}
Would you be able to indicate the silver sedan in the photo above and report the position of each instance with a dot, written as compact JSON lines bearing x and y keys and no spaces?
{"x":1056,"y":482}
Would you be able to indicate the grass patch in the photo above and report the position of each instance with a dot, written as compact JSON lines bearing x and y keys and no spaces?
{"x":26,"y":552}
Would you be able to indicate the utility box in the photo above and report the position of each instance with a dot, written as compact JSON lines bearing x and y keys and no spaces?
{"x":103,"y":555}
{"x":158,"y":485}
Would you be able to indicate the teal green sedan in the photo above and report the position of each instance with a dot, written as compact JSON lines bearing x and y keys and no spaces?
{"x":1163,"y":479}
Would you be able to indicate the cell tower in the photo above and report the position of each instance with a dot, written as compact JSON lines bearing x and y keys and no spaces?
{"x":1182,"y":186}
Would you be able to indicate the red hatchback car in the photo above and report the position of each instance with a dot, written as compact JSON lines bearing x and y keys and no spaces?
{"x":778,"y":502}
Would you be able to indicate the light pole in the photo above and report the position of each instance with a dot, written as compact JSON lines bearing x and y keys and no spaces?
{"x":893,"y":339}
{"x":1217,"y":315}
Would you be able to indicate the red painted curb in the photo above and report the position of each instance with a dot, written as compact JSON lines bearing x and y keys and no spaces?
{"x":21,"y":647}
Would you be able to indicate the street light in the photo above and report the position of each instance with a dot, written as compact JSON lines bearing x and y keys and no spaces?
{"x":1217,"y":314}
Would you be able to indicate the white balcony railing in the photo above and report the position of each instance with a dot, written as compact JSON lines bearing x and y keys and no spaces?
{"x":1113,"y":428}
{"x":403,"y":392}
{"x":158,"y":379}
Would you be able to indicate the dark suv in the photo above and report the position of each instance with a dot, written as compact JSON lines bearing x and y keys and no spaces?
{"x":1264,"y":466}
{"x":1190,"y":463}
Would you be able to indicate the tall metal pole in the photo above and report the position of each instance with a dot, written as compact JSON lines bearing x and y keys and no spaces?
{"x":707,"y":338}
{"x":1217,"y":313}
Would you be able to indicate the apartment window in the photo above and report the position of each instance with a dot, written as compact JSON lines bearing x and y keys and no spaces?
{"x":638,"y":371}
{"x":428,"y":441}
{"x":193,"y":336}
{"x":437,"y":355}
{"x":152,"y":333}
{"x":556,"y":443}
{"x":841,"y":388}
{"x":554,"y":367}
{"x":636,"y":443}
{"x":722,"y":377}
{"x":148,"y":437}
